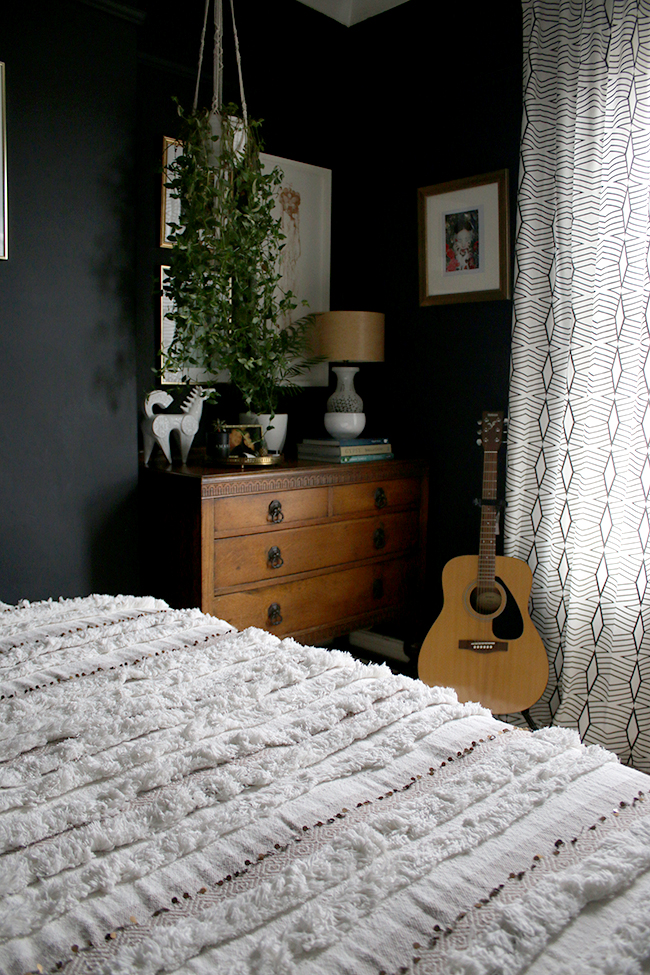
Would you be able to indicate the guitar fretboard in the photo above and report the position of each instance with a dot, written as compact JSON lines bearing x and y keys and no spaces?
{"x":489,"y":515}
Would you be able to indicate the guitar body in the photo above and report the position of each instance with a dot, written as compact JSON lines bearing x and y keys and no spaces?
{"x":488,"y":652}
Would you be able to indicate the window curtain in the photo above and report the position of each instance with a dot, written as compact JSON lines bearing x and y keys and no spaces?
{"x":578,"y":473}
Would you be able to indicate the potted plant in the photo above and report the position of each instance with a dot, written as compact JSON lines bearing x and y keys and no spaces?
{"x":216,"y":440}
{"x":228,"y":311}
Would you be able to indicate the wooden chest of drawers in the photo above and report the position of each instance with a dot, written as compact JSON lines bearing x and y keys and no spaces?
{"x":306,"y":550}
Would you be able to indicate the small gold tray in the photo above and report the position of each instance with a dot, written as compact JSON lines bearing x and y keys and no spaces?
{"x":267,"y":460}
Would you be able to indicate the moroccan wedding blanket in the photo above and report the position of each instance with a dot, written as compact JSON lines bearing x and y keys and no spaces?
{"x":177,"y":796}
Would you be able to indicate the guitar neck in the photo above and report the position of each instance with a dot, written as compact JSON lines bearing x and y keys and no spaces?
{"x":489,"y":515}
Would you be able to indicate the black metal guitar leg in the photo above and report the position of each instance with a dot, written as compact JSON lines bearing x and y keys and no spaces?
{"x":531,"y":723}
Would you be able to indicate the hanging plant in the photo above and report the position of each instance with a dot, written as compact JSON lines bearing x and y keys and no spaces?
{"x":223,"y":278}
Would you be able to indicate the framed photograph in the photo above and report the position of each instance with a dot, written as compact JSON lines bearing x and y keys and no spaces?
{"x":464,"y":251}
{"x":170,"y":207}
{"x":4,"y":243}
{"x":247,"y":447}
{"x":245,"y":440}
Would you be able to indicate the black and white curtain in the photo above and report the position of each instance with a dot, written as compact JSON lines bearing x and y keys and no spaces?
{"x":578,"y":477}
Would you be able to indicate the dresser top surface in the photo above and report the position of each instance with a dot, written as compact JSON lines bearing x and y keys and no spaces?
{"x":286,"y":475}
{"x":200,"y":467}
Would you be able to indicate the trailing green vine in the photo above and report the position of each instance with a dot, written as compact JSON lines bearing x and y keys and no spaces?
{"x":223,"y":280}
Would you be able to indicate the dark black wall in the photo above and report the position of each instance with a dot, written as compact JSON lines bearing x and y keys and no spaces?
{"x":68,"y":459}
{"x":406,"y":99}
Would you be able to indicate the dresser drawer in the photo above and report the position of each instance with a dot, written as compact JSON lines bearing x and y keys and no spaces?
{"x":319,"y":601}
{"x":261,"y":510}
{"x":346,"y":542}
{"x":348,"y":499}
{"x":268,"y":555}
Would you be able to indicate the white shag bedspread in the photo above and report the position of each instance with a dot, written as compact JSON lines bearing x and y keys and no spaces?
{"x":176,"y":796}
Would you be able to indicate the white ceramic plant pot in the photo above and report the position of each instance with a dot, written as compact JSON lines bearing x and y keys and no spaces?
{"x":277,"y":434}
{"x":239,"y":140}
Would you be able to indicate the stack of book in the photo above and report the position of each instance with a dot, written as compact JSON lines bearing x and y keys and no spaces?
{"x":345,"y":451}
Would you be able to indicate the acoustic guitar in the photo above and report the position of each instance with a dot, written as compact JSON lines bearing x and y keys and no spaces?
{"x":484,"y":643}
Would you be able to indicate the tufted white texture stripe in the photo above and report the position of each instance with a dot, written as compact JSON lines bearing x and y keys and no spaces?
{"x":193,"y":799}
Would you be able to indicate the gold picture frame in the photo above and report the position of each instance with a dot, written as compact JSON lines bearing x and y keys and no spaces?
{"x":169,"y":205}
{"x":247,"y":446}
{"x":464,"y":240}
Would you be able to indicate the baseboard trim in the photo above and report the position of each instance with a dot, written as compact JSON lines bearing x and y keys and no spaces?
{"x":387,"y":646}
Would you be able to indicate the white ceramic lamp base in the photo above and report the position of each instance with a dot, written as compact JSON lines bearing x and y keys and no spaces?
{"x":344,"y":419}
{"x":344,"y":426}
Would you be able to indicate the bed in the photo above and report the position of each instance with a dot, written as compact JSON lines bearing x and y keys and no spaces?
{"x":179,"y":796}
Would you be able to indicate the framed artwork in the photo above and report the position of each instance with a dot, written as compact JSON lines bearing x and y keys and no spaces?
{"x":167,"y":326}
{"x":4,"y":243}
{"x":464,"y":251}
{"x":170,"y":206}
{"x":304,"y":206}
{"x":245,"y":440}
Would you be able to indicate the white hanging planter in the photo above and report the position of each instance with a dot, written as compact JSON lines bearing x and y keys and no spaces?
{"x":239,"y":136}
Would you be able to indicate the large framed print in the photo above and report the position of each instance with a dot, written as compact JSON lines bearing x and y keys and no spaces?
{"x":303,"y":203}
{"x":193,"y":374}
{"x":4,"y":243}
{"x":170,"y":206}
{"x":464,"y":249}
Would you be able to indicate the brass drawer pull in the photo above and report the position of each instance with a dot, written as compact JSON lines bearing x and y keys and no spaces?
{"x":274,"y":558}
{"x":275,"y":514}
{"x":379,"y":537}
{"x":378,"y":589}
{"x":380,"y":498}
{"x":274,"y":614}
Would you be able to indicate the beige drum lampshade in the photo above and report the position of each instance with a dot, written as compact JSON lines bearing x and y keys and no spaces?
{"x":346,"y":337}
{"x":350,"y":336}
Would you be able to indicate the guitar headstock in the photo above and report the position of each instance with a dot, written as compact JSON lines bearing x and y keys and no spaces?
{"x":491,"y":432}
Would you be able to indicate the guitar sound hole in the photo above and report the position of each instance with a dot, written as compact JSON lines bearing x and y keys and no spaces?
{"x":508,"y":625}
{"x":485,"y":602}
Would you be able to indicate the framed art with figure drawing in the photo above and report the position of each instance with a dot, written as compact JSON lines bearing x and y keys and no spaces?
{"x":464,"y":252}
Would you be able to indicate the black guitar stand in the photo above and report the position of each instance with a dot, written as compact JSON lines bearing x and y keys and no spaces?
{"x":490,"y":503}
{"x":531,"y":723}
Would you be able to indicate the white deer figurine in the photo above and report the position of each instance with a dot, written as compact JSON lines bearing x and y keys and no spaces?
{"x":157,"y":427}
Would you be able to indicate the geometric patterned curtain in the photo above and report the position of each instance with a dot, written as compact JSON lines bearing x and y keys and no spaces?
{"x":578,"y":473}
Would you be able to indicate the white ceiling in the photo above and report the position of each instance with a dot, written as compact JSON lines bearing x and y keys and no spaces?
{"x":349,"y":12}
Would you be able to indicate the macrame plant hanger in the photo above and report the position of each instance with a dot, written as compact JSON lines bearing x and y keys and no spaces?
{"x":217,"y":65}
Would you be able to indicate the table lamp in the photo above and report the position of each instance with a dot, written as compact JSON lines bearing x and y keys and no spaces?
{"x":346,"y":337}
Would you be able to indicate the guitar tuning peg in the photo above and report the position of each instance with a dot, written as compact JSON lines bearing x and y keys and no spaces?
{"x":506,"y":421}
{"x":479,"y":442}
